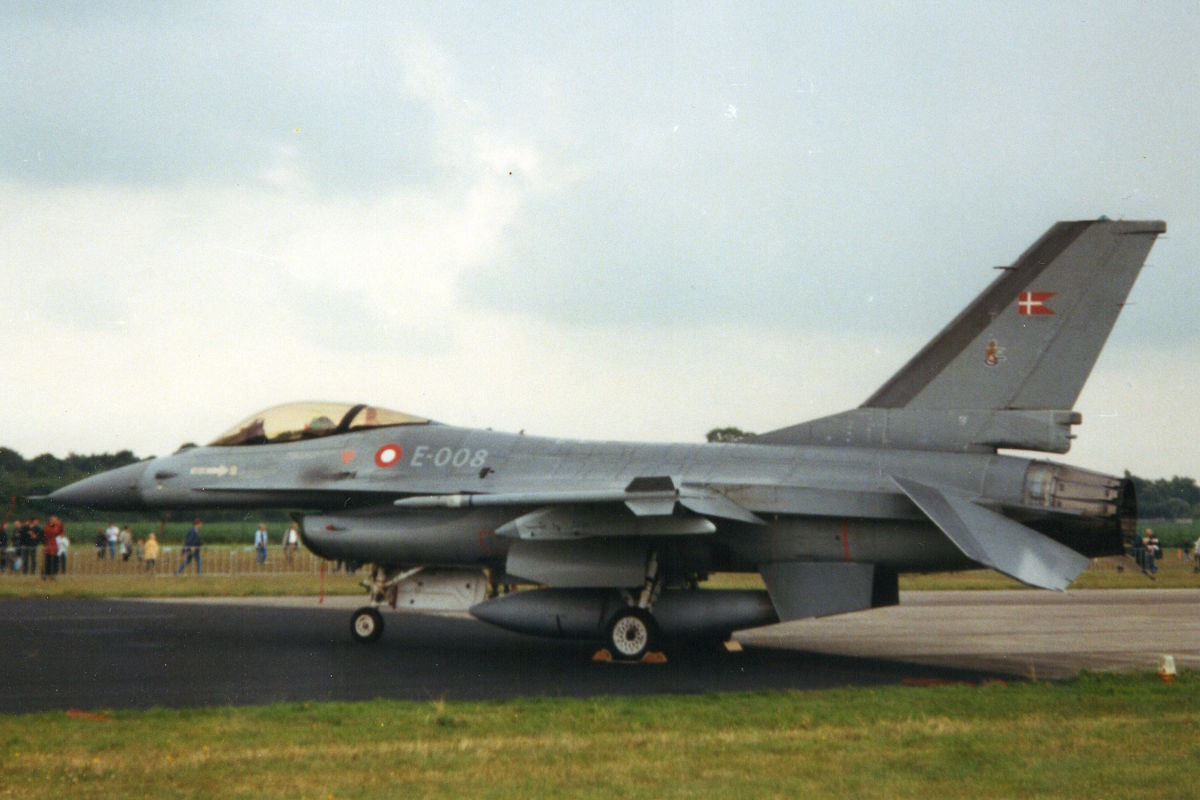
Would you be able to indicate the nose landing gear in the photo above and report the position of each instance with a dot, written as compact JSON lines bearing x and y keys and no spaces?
{"x":366,"y":625}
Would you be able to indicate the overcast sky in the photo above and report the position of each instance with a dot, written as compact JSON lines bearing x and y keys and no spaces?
{"x":568,"y":219}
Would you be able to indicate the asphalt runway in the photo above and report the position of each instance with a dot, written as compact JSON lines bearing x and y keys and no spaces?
{"x":1024,"y":633}
{"x":99,"y":654}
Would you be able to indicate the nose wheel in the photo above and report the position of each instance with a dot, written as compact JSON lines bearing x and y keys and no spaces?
{"x":366,"y":625}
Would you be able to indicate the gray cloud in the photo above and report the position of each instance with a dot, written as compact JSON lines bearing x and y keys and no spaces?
{"x":168,"y":95}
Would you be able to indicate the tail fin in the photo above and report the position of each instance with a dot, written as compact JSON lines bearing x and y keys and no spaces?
{"x":1007,"y":370}
{"x":1031,"y":339}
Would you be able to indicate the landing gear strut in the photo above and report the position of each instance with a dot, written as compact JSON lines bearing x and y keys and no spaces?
{"x":632,"y":631}
{"x":366,"y":625}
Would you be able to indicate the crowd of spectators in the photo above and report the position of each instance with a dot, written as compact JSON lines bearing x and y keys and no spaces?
{"x":24,"y":540}
{"x":27,"y":545}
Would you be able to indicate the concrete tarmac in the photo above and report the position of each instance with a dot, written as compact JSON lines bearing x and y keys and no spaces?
{"x":95,"y":654}
{"x":1027,"y":633}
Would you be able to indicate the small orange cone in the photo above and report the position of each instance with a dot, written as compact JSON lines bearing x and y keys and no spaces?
{"x":1166,"y":669}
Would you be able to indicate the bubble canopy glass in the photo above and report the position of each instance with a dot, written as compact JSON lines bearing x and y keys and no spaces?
{"x":296,"y":421}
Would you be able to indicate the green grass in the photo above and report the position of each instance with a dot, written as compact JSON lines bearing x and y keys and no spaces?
{"x":1173,"y":534}
{"x":1174,"y":574}
{"x":179,"y":586}
{"x":1094,"y":736}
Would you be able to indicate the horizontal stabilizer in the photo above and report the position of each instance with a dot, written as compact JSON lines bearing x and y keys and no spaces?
{"x":995,"y":540}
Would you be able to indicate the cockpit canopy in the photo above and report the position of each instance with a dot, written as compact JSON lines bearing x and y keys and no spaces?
{"x":296,"y":421}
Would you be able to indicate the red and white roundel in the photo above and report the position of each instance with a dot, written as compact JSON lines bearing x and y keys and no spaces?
{"x":389,"y":455}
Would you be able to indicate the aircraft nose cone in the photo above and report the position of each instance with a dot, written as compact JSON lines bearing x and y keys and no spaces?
{"x":115,"y":490}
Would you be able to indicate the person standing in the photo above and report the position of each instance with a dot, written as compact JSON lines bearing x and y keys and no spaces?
{"x":50,"y":548}
{"x":1196,"y":556}
{"x":1153,"y":553}
{"x":111,"y":534}
{"x":20,"y":540}
{"x":260,"y":543}
{"x":191,"y":547}
{"x":1139,"y":551}
{"x":3,"y":546}
{"x":151,"y":553}
{"x":33,"y":540}
{"x":125,"y":542}
{"x":64,"y":544}
{"x":291,"y":541}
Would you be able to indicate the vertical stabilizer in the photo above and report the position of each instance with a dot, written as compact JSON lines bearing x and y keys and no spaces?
{"x":1006,"y":371}
{"x":1030,"y":339}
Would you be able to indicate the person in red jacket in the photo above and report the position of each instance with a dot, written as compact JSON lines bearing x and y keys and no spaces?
{"x":50,"y":549}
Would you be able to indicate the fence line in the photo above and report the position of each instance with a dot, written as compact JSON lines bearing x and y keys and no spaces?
{"x":215,"y":560}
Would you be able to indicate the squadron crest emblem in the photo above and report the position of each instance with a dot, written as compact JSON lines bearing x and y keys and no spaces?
{"x":994,"y":354}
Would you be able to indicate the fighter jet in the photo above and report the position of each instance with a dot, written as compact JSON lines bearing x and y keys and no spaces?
{"x":611,"y":541}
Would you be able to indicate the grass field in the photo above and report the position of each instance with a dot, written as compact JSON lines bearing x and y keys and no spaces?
{"x":1174,"y":574}
{"x":181,"y":586}
{"x":1103,"y":574}
{"x":1094,"y":736}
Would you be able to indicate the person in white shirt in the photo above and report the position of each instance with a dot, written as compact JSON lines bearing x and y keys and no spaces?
{"x":110,"y":535}
{"x":260,"y":543}
{"x":291,"y":542}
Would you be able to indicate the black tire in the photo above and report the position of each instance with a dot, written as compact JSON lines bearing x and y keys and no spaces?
{"x":366,"y":625}
{"x":630,"y":633}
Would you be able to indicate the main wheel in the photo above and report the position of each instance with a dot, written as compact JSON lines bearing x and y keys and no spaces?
{"x":630,"y":633}
{"x":366,"y":625}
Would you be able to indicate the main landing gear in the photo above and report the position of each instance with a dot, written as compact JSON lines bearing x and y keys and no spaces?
{"x":631,"y":632}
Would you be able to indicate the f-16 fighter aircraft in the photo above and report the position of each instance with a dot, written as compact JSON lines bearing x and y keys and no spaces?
{"x":617,"y":536}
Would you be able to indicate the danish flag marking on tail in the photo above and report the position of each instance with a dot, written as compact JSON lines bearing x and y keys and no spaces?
{"x":1034,"y":303}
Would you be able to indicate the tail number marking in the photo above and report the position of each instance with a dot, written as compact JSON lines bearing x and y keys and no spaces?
{"x":425,"y":455}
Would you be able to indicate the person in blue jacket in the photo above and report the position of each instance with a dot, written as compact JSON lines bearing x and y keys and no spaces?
{"x":191,"y":547}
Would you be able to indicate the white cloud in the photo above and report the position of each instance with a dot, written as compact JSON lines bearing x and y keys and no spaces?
{"x":553,"y":227}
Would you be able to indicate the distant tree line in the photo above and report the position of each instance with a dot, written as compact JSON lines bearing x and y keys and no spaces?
{"x":1167,"y":498}
{"x":728,"y":435}
{"x":21,"y":478}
